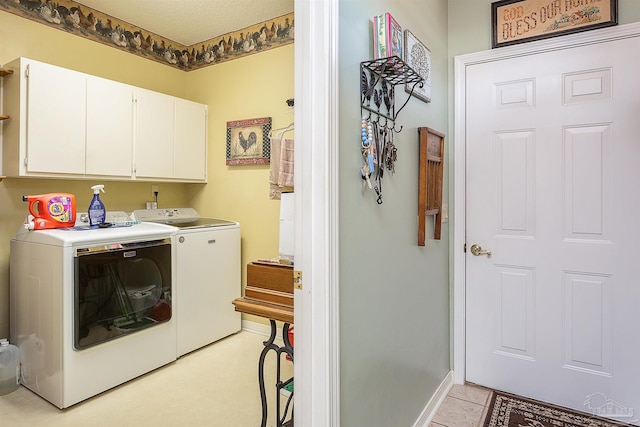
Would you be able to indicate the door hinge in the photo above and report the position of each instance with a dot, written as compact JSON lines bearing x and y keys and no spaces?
{"x":465,"y":248}
{"x":26,"y":71}
{"x":297,"y":279}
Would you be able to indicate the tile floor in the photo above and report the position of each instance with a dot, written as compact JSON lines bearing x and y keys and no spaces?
{"x":465,"y":406}
{"x":215,"y":387}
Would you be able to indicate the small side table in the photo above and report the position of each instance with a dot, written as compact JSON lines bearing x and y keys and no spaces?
{"x":272,"y":312}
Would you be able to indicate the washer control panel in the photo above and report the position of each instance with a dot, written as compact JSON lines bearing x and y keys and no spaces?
{"x":164,"y":215}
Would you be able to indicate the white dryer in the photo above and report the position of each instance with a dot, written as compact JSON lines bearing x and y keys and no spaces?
{"x":208,"y":275}
{"x":91,"y":307}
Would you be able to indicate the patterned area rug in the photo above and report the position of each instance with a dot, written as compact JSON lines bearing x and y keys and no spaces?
{"x":508,"y":410}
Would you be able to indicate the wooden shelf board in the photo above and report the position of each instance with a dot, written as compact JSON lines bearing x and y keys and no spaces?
{"x":4,"y":117}
{"x":261,"y":308}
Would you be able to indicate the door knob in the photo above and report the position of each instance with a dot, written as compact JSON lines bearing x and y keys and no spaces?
{"x":477,"y":251}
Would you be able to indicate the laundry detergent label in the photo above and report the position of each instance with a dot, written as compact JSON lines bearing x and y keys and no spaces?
{"x":59,"y":208}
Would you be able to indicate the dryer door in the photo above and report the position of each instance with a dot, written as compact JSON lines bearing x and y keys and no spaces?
{"x":120,"y":289}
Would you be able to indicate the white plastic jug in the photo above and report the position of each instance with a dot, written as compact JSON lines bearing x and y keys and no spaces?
{"x":9,"y":367}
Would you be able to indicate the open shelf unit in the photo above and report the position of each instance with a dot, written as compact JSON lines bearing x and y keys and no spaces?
{"x":4,"y":72}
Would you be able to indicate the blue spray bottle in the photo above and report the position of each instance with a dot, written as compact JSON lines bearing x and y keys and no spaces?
{"x":97,"y":212}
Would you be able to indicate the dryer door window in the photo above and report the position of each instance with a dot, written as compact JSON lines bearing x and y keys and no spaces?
{"x":120,"y":289}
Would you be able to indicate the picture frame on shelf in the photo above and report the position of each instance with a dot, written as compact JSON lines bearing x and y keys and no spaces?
{"x":418,"y":57}
{"x":387,"y":37}
{"x":248,"y":142}
{"x":519,"y":21}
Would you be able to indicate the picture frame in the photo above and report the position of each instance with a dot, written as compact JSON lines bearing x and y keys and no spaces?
{"x":248,"y":142}
{"x":387,"y":37}
{"x":519,"y":21}
{"x":418,"y":57}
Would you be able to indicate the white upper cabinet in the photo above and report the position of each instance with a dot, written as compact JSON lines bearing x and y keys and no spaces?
{"x":110,"y":117}
{"x":154,"y":134}
{"x":48,"y":106}
{"x":170,"y":148}
{"x":189,"y":153}
{"x":56,"y":103}
{"x":66,"y":124}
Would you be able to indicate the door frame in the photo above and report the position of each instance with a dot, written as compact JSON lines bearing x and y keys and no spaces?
{"x":316,"y":214}
{"x":458,"y":174}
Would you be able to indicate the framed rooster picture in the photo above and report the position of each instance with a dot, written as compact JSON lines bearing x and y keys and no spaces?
{"x":248,"y":141}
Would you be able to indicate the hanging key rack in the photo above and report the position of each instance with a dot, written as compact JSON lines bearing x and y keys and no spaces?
{"x":378,"y":79}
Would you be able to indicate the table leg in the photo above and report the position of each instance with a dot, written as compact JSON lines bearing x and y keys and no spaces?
{"x":268,"y":345}
{"x":288,"y":349}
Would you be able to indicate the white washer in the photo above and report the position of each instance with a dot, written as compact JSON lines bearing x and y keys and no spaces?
{"x":74,"y":312}
{"x":208,"y":275}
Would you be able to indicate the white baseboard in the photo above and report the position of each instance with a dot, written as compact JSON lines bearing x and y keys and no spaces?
{"x":256,"y":328}
{"x":436,"y":400}
{"x":261,"y":329}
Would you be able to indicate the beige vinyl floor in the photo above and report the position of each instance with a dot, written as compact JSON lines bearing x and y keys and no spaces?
{"x":215,"y":386}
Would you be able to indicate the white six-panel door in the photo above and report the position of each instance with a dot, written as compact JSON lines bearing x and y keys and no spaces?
{"x":552,"y":176}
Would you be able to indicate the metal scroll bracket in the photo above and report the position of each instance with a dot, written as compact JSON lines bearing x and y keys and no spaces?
{"x":378,"y":79}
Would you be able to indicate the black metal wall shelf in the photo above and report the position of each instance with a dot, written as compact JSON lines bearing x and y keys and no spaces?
{"x":378,"y":79}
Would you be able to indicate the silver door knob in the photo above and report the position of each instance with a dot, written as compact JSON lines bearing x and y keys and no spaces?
{"x":477,"y":251}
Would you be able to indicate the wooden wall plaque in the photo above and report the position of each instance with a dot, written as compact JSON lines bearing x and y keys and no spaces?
{"x":430,"y":181}
{"x":518,"y":21}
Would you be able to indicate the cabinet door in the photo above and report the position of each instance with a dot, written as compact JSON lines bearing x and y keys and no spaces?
{"x":190,"y":140}
{"x":109,"y":128}
{"x":154,"y":134}
{"x":56,"y":104}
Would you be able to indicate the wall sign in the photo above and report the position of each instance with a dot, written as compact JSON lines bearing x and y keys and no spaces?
{"x":518,"y":21}
{"x":248,"y":141}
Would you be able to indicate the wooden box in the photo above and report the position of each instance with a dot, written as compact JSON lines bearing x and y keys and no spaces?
{"x":270,"y":283}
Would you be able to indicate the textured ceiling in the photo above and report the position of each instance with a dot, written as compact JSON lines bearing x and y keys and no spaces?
{"x":191,"y":21}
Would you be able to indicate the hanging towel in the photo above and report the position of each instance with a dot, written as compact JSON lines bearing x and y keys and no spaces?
{"x":274,"y":160}
{"x":285,"y":177}
{"x":280,"y":168}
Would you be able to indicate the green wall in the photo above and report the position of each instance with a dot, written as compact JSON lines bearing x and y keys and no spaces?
{"x":394,"y":295}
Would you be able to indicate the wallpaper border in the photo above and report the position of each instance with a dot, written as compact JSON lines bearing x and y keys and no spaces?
{"x":82,"y":21}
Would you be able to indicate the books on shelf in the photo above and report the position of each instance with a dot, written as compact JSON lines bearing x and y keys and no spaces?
{"x":387,"y":37}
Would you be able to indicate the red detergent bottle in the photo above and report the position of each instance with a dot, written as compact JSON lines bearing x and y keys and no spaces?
{"x":52,"y":210}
